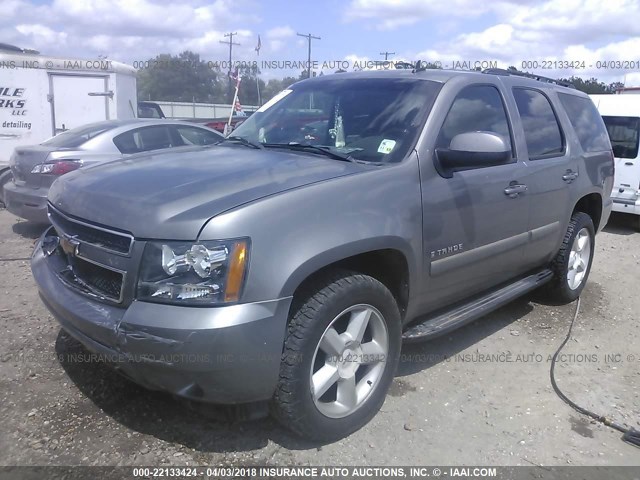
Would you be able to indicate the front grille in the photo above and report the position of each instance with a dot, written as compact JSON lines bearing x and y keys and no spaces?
{"x":100,"y":280}
{"x":94,"y":235}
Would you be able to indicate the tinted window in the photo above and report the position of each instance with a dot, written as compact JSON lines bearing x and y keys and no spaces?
{"x":143,"y":139}
{"x":77,"y":136}
{"x":623,"y":133}
{"x":476,"y":108}
{"x":197,"y":136}
{"x":370,"y":119}
{"x":541,"y":129}
{"x":586,"y":121}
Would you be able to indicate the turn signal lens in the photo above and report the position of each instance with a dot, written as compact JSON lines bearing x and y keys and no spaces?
{"x":236,"y":272}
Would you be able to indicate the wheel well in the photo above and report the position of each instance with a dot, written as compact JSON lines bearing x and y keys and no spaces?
{"x":591,"y":205}
{"x":388,"y":266}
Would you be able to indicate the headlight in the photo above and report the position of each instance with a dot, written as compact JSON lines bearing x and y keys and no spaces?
{"x":204,"y":273}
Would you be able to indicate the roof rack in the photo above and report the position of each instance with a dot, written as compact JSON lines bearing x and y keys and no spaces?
{"x":517,"y":73}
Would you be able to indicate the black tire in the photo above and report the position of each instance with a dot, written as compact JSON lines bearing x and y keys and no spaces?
{"x":312,"y":313}
{"x":5,"y":177}
{"x":558,"y":290}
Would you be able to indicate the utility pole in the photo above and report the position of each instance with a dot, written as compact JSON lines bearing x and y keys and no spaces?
{"x":386,"y":55}
{"x":309,"y":37}
{"x":231,"y":43}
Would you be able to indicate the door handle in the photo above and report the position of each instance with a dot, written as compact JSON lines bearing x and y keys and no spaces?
{"x":629,"y":163}
{"x":514,"y":190}
{"x":570,"y":176}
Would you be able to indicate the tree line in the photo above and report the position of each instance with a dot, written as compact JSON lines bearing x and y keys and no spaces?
{"x":186,"y":77}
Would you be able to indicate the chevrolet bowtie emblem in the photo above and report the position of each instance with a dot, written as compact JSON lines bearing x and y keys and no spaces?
{"x":70,"y":244}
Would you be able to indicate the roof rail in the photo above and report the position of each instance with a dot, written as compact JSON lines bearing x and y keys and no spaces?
{"x":517,"y":73}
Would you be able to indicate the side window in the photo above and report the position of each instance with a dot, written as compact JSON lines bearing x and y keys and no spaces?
{"x":197,"y":136}
{"x":624,"y":133}
{"x":143,"y":139}
{"x":586,"y":121}
{"x":541,"y":129}
{"x":476,"y":108}
{"x":128,"y":142}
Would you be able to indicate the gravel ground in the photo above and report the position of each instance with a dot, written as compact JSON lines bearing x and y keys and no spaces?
{"x":479,"y":396}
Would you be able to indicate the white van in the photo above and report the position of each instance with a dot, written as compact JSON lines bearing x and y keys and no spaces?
{"x":621,"y":114}
{"x":42,"y":96}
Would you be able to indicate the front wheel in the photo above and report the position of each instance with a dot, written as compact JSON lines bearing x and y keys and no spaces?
{"x":340,"y":355}
{"x":572,"y":263}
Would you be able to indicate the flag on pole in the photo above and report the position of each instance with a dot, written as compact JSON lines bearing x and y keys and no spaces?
{"x":235,"y":76}
{"x":258,"y":47}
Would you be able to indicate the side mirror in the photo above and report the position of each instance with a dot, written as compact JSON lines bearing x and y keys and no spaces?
{"x":472,"y":150}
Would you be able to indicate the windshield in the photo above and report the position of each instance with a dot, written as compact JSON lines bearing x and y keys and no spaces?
{"x":369,"y":119}
{"x":77,"y":136}
{"x":623,"y":133}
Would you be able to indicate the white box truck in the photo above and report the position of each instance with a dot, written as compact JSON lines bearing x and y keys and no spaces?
{"x":41,"y":96}
{"x":621,"y":115}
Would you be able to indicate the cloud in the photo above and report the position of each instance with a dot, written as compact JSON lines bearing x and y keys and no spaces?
{"x":391,"y":14}
{"x":586,"y":31}
{"x":280,"y":32}
{"x":276,"y":45}
{"x":127,"y":30}
{"x":507,"y":31}
{"x":41,"y":34}
{"x":277,"y":38}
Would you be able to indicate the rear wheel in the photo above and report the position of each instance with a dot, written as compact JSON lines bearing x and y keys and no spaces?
{"x":340,"y":356}
{"x":572,"y":263}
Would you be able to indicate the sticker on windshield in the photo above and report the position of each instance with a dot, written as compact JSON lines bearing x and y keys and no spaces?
{"x":386,"y":146}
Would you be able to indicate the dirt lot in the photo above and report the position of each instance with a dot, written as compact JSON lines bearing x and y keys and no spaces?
{"x":479,"y":396}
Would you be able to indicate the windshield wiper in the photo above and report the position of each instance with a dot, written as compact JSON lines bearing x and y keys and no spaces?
{"x":242,"y":141}
{"x":306,"y":147}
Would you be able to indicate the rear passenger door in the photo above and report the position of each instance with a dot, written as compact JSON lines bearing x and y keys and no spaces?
{"x":552,"y":172}
{"x":474,"y":229}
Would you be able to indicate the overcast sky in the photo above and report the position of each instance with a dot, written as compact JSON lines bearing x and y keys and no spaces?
{"x":508,"y":32}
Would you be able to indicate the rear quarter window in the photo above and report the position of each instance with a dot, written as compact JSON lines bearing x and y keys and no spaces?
{"x":76,"y":137}
{"x":586,"y":122}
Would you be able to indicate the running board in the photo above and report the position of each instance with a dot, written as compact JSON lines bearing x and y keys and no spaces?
{"x":476,"y":308}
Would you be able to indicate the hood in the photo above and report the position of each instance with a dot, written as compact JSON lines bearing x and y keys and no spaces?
{"x":171,"y":195}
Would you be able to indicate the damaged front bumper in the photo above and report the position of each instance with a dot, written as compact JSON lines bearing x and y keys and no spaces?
{"x":223,"y":355}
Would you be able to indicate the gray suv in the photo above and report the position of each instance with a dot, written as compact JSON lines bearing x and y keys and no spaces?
{"x":286,"y":265}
